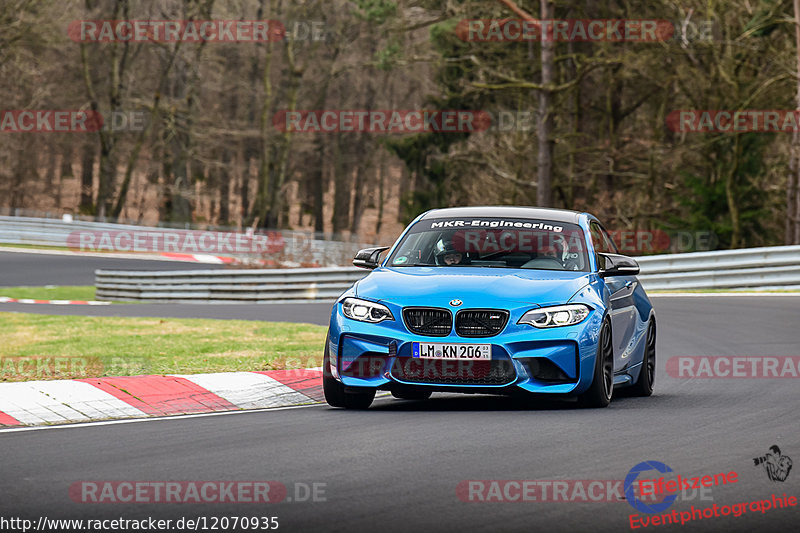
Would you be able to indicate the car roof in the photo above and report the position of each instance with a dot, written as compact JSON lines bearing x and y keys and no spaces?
{"x":504,"y":211}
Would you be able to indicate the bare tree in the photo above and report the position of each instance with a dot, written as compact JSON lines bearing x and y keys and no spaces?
{"x":793,"y":182}
{"x":118,"y":64}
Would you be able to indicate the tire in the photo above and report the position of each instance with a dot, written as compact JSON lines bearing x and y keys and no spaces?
{"x":335,"y":393}
{"x":602,"y":388}
{"x":411,"y":394}
{"x":647,"y":375}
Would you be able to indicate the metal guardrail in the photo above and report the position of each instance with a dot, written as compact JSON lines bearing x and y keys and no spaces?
{"x":755,"y":268}
{"x":298,"y":247}
{"x":776,"y":267}
{"x":48,"y":232}
{"x":231,"y":286}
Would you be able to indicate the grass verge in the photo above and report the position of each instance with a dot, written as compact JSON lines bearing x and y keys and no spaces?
{"x":50,"y":292}
{"x":70,"y":347}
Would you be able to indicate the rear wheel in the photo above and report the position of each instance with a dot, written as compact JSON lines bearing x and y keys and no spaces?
{"x":336,"y":394}
{"x":602,"y":388}
{"x":647,"y":375}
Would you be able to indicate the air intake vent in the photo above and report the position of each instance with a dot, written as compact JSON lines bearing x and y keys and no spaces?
{"x":441,"y":372}
{"x":430,"y":321}
{"x":480,"y":322}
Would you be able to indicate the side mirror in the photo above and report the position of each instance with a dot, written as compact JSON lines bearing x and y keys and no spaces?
{"x":617,"y":265}
{"x":368,"y":257}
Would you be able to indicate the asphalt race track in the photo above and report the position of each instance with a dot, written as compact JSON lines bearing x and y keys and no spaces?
{"x":23,"y":269}
{"x":30,"y":269}
{"x":396,"y":467}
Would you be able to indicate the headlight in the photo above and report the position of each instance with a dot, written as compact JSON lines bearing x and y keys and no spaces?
{"x":365,"y":311}
{"x":553,"y":317}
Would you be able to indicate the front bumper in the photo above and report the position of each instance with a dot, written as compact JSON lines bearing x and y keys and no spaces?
{"x":550,"y":361}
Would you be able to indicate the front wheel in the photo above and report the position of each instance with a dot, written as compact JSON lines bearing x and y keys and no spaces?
{"x":335,"y":392}
{"x":602,"y":388}
{"x":647,"y":375}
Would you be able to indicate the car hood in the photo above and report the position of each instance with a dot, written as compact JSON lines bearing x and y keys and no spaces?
{"x":475,"y":286}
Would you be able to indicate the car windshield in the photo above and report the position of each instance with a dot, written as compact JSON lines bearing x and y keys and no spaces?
{"x":493,"y":243}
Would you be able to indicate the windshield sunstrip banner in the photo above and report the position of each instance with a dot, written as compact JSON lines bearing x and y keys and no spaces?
{"x":494,"y":223}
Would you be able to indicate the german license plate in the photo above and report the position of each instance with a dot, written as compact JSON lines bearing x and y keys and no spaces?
{"x":436,"y":350}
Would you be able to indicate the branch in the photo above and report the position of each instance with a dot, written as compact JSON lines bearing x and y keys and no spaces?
{"x":500,"y":173}
{"x":423,"y":24}
{"x":518,"y":10}
{"x":516,"y":83}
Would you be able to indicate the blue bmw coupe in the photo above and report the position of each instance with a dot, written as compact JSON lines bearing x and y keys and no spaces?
{"x":498,"y":300}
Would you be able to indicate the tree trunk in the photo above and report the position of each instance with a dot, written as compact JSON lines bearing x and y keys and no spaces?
{"x":277,"y":192}
{"x":133,"y":158}
{"x":223,"y":180}
{"x":87,"y":179}
{"x":65,"y":174}
{"x":793,"y":187}
{"x":24,"y":173}
{"x":108,"y":138}
{"x":264,"y":184}
{"x":343,"y":183}
{"x":108,"y":167}
{"x":66,"y":165}
{"x":318,"y":184}
{"x":791,"y":235}
{"x":50,"y":175}
{"x":358,"y":186}
{"x":732,"y":197}
{"x":381,"y":192}
{"x":185,"y":82}
{"x":545,"y":127}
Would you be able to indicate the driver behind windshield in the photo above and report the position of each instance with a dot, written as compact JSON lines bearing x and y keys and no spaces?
{"x":448,"y":255}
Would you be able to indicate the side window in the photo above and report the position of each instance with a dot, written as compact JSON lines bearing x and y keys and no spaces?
{"x":601,"y":241}
{"x":610,"y":244}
